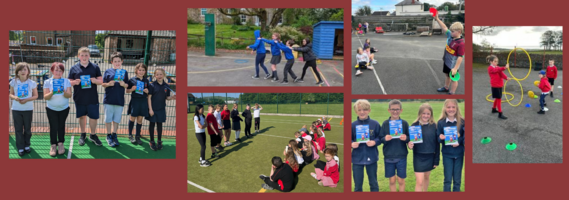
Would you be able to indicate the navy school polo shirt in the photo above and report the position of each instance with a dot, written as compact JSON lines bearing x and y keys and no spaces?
{"x":114,"y":95}
{"x":132,"y":83}
{"x":159,"y":94}
{"x":85,"y":96}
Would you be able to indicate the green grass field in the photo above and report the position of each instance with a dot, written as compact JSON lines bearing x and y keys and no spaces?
{"x":239,"y":165}
{"x":296,"y":108}
{"x":410,"y":110}
{"x":222,"y":30}
{"x":40,"y":145}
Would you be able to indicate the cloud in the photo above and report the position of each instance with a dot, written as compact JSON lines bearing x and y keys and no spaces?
{"x":520,"y":36}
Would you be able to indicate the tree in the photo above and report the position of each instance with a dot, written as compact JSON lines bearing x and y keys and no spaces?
{"x":338,"y":16}
{"x":451,"y":6}
{"x":363,"y":11}
{"x":483,"y":30}
{"x":261,"y":13}
{"x":547,"y":39}
{"x":14,"y":35}
{"x":100,"y":40}
{"x":427,"y":6}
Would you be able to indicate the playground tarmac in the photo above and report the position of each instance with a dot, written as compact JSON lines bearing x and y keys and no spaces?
{"x":236,"y":69}
{"x":405,"y":65}
{"x":539,"y":138}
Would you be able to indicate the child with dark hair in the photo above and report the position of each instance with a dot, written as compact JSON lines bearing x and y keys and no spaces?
{"x":496,"y":75}
{"x":281,"y":177}
{"x":310,"y":60}
{"x":551,"y":74}
{"x":287,"y":50}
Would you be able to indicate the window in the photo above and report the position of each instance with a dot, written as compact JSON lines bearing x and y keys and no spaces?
{"x":49,"y":40}
{"x":59,"y":41}
{"x":243,"y":19}
{"x":203,"y":11}
{"x":281,"y":20}
{"x":33,"y":40}
{"x":129,"y":44}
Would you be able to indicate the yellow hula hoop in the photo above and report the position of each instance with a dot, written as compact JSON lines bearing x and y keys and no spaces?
{"x":505,"y":94}
{"x":529,"y":57}
{"x":521,"y":96}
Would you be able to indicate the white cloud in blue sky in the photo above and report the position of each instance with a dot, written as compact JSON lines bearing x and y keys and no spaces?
{"x":520,"y":36}
{"x":389,"y":5}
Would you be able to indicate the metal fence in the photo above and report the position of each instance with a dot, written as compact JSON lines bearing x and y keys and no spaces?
{"x":539,"y":55}
{"x":41,"y":48}
{"x":278,"y":103}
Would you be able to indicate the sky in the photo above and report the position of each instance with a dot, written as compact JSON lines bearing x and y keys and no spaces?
{"x":510,"y":36}
{"x":389,"y":5}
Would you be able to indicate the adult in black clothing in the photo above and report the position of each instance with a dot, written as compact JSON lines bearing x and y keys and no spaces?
{"x":309,"y":60}
{"x":248,"y":119}
{"x":236,"y":125}
{"x":281,"y":178}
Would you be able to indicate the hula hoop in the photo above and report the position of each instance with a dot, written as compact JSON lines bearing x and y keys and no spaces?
{"x":505,"y":94}
{"x":529,"y":70}
{"x":521,"y":96}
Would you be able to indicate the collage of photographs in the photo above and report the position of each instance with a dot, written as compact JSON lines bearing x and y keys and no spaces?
{"x":426,"y":91}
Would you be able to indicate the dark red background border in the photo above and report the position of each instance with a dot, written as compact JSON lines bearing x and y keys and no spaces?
{"x":145,"y":179}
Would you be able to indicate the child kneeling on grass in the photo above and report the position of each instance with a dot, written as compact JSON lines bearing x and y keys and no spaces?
{"x":329,"y":175}
{"x":281,"y":177}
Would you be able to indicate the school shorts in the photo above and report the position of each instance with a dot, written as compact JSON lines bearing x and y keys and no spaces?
{"x":91,"y":110}
{"x":113,"y":113}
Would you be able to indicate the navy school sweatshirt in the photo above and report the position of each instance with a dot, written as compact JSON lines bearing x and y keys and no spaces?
{"x":430,"y":143}
{"x":395,"y":148}
{"x":448,"y":150}
{"x":364,"y":155}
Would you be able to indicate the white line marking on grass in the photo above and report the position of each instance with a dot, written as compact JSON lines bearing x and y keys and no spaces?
{"x":374,"y":72}
{"x":200,"y":187}
{"x":70,"y":147}
{"x":293,"y":138}
{"x":434,"y":74}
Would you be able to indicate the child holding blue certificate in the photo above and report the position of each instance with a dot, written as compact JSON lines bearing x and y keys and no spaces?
{"x":365,"y":139}
{"x":138,"y":106}
{"x":395,"y":139}
{"x":23,"y":92}
{"x":426,"y":155}
{"x":113,"y":82}
{"x":451,"y":131}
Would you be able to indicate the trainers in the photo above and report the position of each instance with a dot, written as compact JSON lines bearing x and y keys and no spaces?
{"x":95,"y":139}
{"x":159,"y":146}
{"x":296,"y":80}
{"x":214,"y":155}
{"x":255,"y":77}
{"x":494,"y":110}
{"x":82,"y":139}
{"x":138,"y":141}
{"x":370,"y":67}
{"x":61,"y":149}
{"x":313,"y":175}
{"x":319,"y":82}
{"x":115,"y":139}
{"x":229,"y":144}
{"x":27,"y":150}
{"x":541,"y":112}
{"x":52,"y":150}
{"x":284,"y":82}
{"x":501,"y":116}
{"x":131,"y":138}
{"x":443,"y":89}
{"x":263,"y":177}
{"x":21,"y":152}
{"x":110,"y":140}
{"x":152,"y":145}
{"x":266,"y":187}
{"x":268,"y":76}
{"x":299,"y":80}
{"x":551,"y":94}
{"x":358,"y":72}
{"x":275,"y":80}
{"x":205,"y":163}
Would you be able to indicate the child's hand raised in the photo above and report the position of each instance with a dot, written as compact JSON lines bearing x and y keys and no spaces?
{"x":355,"y":145}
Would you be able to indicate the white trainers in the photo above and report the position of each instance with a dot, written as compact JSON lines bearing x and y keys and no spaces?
{"x":370,"y":67}
{"x":374,"y":62}
{"x":358,"y":72}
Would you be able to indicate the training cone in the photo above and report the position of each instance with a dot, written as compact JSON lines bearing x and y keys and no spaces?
{"x":536,"y":83}
{"x":531,"y":94}
{"x":528,"y":105}
{"x":511,"y":146}
{"x":535,"y":96}
{"x":557,"y":101}
{"x":486,"y":140}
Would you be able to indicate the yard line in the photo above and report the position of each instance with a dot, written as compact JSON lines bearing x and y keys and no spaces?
{"x":293,"y":138}
{"x":314,"y":74}
{"x":324,"y":77}
{"x":70,"y":147}
{"x":200,"y":187}
{"x":374,"y":72}
{"x":434,"y":74}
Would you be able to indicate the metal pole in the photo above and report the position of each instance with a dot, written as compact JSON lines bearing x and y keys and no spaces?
{"x":300,"y":105}
{"x":277,"y":103}
{"x":328,"y":105}
{"x":147,"y":49}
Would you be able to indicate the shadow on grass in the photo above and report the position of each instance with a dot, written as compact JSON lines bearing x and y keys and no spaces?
{"x":232,"y":148}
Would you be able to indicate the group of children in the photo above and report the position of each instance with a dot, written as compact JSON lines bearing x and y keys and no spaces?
{"x":276,"y":47}
{"x":426,"y":153}
{"x":497,"y":76}
{"x":219,"y":123}
{"x":299,"y":153}
{"x":148,"y":101}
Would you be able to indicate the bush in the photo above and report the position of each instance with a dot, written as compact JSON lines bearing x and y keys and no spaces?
{"x":192,"y":21}
{"x":288,"y":32}
{"x":234,"y":27}
{"x":302,"y":21}
{"x":306,"y":30}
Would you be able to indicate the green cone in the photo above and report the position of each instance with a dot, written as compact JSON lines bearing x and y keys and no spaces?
{"x":535,"y":97}
{"x":511,"y":146}
{"x":486,"y":140}
{"x":557,"y":101}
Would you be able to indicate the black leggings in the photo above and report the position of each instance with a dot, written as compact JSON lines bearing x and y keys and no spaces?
{"x":247,"y":127}
{"x":312,"y":64}
{"x":201,"y":140}
{"x":257,"y":123}
{"x":288,"y":70}
{"x":57,"y":124}
{"x":151,"y":130}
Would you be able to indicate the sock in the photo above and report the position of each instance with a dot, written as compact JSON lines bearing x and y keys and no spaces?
{"x":159,"y":128}
{"x":499,"y":104}
{"x":494,"y":105}
{"x":130,"y":127}
{"x":27,"y":148}
{"x":151,"y":130}
{"x":236,"y":134}
{"x":138,"y":129}
{"x":276,"y":74}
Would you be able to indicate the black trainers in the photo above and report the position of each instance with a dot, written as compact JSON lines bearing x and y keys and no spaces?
{"x":501,"y":116}
{"x":541,"y":112}
{"x":443,"y":89}
{"x":319,"y":82}
{"x":494,"y":110}
{"x":219,"y":149}
{"x":263,"y":177}
{"x":82,"y":139}
{"x":299,"y":80}
{"x":152,"y":145}
{"x":110,"y":141}
{"x":159,"y":146}
{"x":138,"y":141}
{"x":296,"y":79}
{"x":28,"y":150}
{"x":284,"y":82}
{"x":266,"y":187}
{"x":214,"y":155}
{"x":275,"y":80}
{"x":95,"y":139}
{"x":21,"y":153}
{"x":115,"y":139}
{"x":255,"y":77}
{"x":131,"y":138}
{"x":238,"y":139}
{"x":551,"y":94}
{"x":268,"y":76}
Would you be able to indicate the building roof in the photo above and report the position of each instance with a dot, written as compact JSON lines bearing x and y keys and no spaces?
{"x":409,"y":2}
{"x":328,"y":22}
{"x":380,"y":13}
{"x":160,"y":33}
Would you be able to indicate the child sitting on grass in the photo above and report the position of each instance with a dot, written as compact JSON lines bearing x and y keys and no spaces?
{"x":281,"y":177}
{"x":329,"y":176}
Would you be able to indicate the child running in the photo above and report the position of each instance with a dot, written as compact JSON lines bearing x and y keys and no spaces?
{"x":496,"y":75}
{"x":158,"y":94}
{"x":23,"y":92}
{"x":453,"y":155}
